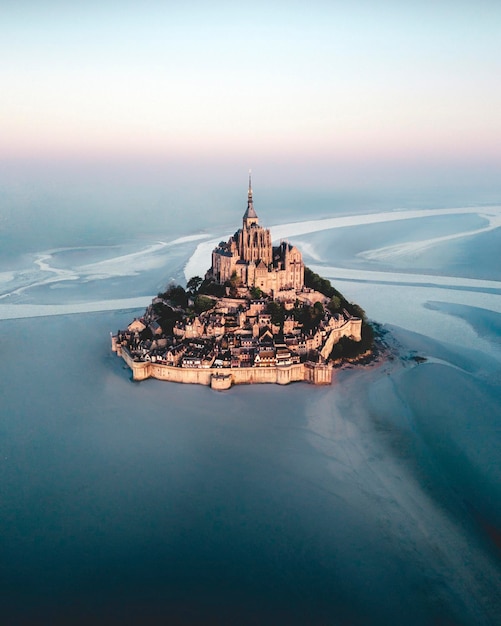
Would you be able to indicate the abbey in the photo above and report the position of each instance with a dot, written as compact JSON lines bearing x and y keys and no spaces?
{"x":250,"y":257}
{"x":253,"y":320}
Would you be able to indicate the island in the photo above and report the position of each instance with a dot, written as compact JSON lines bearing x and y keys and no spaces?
{"x":258,"y":316}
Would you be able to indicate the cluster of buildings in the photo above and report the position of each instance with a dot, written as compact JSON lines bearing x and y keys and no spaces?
{"x":240,"y":334}
{"x":235,"y":333}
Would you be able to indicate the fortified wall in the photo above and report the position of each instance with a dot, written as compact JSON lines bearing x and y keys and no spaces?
{"x":314,"y":373}
{"x":352,"y":328}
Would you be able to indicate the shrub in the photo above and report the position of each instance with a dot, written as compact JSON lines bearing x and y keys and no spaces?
{"x":176,"y":295}
{"x":203,"y":303}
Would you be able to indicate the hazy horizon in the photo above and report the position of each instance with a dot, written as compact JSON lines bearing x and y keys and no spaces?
{"x":114,"y":112}
{"x":370,"y":93}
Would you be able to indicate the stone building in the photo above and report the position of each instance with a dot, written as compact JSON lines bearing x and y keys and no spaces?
{"x":250,"y":256}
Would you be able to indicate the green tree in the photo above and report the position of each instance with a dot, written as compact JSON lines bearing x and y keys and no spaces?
{"x":334,"y":305}
{"x":256,"y":293}
{"x":176,"y":295}
{"x":316,"y":282}
{"x":167,"y":317}
{"x":193,"y":285}
{"x":233,"y":283}
{"x":338,"y":302}
{"x":203,"y":303}
{"x":367,"y":342}
{"x":348,"y":348}
{"x":277,"y":312}
{"x":209,"y":287}
{"x":356,"y":311}
{"x":318,"y":308}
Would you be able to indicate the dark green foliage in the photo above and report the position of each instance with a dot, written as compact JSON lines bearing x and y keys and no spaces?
{"x":334,"y":305}
{"x":146,"y":334}
{"x":210,"y":288}
{"x":356,"y":311}
{"x":309,"y":316}
{"x":176,"y":295}
{"x":256,"y":293}
{"x":338,"y":301}
{"x":344,"y":348}
{"x":347,"y":348}
{"x":159,"y":307}
{"x":277,"y":312}
{"x":167,"y":317}
{"x":193,"y":285}
{"x":203,"y":303}
{"x":318,"y":309}
{"x":367,"y":337}
{"x":314,"y":281}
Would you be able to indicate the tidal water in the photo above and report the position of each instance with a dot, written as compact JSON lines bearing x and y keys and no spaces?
{"x":374,"y":501}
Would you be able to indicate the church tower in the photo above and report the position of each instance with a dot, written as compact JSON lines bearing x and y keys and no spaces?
{"x":250,"y":256}
{"x":254,"y":241}
{"x":250,"y":216}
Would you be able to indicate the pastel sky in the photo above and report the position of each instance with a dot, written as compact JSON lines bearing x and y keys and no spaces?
{"x":358,"y":81}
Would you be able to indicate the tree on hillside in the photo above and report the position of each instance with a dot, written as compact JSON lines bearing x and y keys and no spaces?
{"x":193,"y":285}
{"x":338,"y":302}
{"x":209,"y":287}
{"x":256,"y":293}
{"x":233,"y":283}
{"x":203,"y":303}
{"x":356,"y":311}
{"x":167,"y":317}
{"x":277,"y":312}
{"x":318,"y":309}
{"x":176,"y":295}
{"x":316,"y":282}
{"x":334,"y":305}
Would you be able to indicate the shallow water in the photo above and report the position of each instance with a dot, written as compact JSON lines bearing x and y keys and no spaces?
{"x":373,"y":501}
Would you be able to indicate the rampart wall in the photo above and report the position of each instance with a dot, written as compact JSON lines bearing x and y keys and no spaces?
{"x":317,"y":374}
{"x":351,"y":328}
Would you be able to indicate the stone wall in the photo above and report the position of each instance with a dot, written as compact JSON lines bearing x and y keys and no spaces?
{"x":282,"y":375}
{"x":317,"y":374}
{"x":352,"y":328}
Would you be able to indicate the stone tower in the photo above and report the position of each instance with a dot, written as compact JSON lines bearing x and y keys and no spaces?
{"x":254,"y":241}
{"x":250,"y":257}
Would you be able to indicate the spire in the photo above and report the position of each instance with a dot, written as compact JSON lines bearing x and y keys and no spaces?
{"x":250,"y":214}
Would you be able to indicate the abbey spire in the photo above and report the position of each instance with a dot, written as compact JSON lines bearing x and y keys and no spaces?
{"x":250,"y":216}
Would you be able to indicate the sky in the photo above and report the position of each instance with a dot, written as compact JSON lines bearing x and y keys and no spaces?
{"x":378,"y":87}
